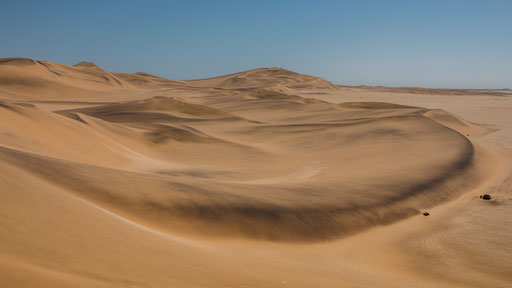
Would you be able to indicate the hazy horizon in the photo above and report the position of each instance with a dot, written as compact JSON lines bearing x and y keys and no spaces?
{"x":460,"y":44}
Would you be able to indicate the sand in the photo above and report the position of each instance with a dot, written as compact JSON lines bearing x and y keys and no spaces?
{"x":263,"y":178}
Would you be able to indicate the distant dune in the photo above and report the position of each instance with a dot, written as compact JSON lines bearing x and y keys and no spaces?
{"x":263,"y":178}
{"x":277,"y":79}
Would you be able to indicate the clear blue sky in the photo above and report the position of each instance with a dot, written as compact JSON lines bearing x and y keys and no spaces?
{"x":451,"y":44}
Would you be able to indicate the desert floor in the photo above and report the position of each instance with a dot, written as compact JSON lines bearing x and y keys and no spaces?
{"x":263,"y":178}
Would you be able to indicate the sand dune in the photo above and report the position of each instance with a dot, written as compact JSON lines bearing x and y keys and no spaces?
{"x":143,"y":80}
{"x":277,"y":79}
{"x":263,"y":178}
{"x":26,"y":78}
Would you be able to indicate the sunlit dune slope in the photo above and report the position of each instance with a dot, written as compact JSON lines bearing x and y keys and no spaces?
{"x":145,"y":80}
{"x":277,"y":79}
{"x":329,"y":177}
{"x":251,"y":179}
{"x":31,"y":79}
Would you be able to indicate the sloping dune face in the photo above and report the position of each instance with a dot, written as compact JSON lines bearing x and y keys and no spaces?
{"x":277,"y":79}
{"x":27,"y":78}
{"x":168,"y":178}
{"x":335,"y":177}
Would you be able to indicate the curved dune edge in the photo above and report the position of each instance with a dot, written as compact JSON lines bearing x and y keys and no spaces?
{"x":236,"y":218}
{"x":210,"y":208}
{"x":324,"y":223}
{"x":245,"y":181}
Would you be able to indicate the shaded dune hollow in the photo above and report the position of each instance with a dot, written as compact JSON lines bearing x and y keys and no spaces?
{"x":206,"y":167}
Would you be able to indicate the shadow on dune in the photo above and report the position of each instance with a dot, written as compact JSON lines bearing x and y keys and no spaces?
{"x":211,"y":209}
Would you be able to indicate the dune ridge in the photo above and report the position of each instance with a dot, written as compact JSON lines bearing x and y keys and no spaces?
{"x":276,"y":78}
{"x":24,"y":78}
{"x":253,"y":213}
{"x":267,"y":175}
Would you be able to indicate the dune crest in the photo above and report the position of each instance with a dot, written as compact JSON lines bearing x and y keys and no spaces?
{"x":277,"y":79}
{"x":23,"y":78}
